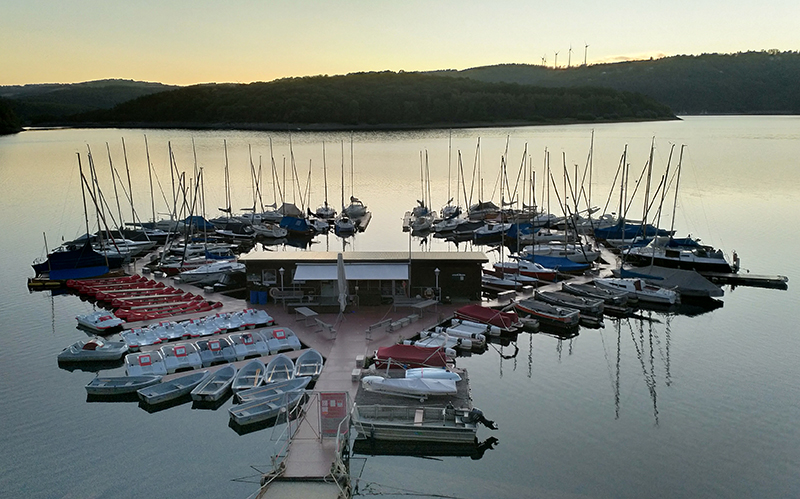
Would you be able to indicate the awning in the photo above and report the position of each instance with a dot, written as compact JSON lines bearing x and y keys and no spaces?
{"x":353,"y":272}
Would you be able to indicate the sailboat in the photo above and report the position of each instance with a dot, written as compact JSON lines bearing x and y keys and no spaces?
{"x":325,"y":211}
{"x":356,"y":208}
{"x":344,"y":225}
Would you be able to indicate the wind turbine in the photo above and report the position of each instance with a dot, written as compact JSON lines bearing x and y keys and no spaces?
{"x":569,"y":56}
{"x":585,"y":50}
{"x":555,"y":63}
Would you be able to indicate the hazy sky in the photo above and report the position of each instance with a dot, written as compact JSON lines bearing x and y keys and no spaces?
{"x":194,"y":41}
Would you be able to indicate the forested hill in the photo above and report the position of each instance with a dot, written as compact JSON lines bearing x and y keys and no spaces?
{"x":52,"y":101}
{"x":383,"y":99}
{"x":766,"y":82}
{"x":9,"y":122}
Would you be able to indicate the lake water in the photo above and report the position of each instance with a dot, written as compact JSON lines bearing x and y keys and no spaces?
{"x":701,"y":406}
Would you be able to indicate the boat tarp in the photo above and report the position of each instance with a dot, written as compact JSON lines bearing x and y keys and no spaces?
{"x":352,"y":272}
{"x":413,"y":355}
{"x":686,"y":282}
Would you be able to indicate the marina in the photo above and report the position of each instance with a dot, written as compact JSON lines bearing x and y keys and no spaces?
{"x":665,"y":387}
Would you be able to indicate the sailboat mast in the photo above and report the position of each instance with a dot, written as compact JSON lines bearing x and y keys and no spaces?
{"x":677,"y":184}
{"x":83,"y":195}
{"x":114,"y":181}
{"x":150,"y":175}
{"x":325,"y":174}
{"x":128,"y":174}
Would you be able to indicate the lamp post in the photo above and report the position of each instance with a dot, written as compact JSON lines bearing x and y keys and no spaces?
{"x":436,"y":272}
{"x":281,"y":270}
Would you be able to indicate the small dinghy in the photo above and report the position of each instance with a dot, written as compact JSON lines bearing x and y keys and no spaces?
{"x":641,"y":289}
{"x":281,"y":339}
{"x":265,"y":408}
{"x":101,"y":322}
{"x":270,"y":389}
{"x":145,"y":363}
{"x":216,"y":351}
{"x":249,"y":376}
{"x":93,"y":350}
{"x":181,"y":357}
{"x":309,"y":364}
{"x":549,"y":314}
{"x":119,"y":385}
{"x":215,"y":386}
{"x":279,"y":368}
{"x":172,"y":389}
{"x":416,"y":388}
{"x":432,"y":373}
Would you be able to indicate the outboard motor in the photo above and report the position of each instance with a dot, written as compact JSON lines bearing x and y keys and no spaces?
{"x":476,"y":416}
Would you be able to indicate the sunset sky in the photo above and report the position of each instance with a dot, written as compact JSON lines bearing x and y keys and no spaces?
{"x":186,"y":42}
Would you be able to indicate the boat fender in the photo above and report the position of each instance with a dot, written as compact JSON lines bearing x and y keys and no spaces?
{"x":476,"y":416}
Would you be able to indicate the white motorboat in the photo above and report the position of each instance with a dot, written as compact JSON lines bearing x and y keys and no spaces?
{"x":172,"y":389}
{"x":281,"y":339}
{"x":575,"y":252}
{"x":279,"y":368}
{"x":120,"y":385}
{"x":640,"y":289}
{"x":271,"y":389}
{"x":101,"y":322}
{"x":145,"y":363}
{"x":417,"y":388}
{"x":181,"y":357}
{"x":215,"y":386}
{"x":308,"y":365}
{"x":216,"y":351}
{"x":437,"y":338}
{"x":93,"y":350}
{"x":263,"y":409}
{"x":249,"y":376}
{"x":249,"y":344}
{"x":211,"y":272}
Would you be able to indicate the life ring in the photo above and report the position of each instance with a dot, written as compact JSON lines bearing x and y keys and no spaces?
{"x":273,"y":292}
{"x":428,"y":293}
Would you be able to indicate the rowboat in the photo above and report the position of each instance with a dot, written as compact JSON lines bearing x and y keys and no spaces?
{"x":215,"y":386}
{"x":265,"y":408}
{"x":308,"y":365}
{"x":270,"y":389}
{"x":119,"y":385}
{"x":249,"y":376}
{"x":172,"y":389}
{"x":279,"y":368}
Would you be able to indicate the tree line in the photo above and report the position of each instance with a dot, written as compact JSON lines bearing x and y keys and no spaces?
{"x":379,"y":99}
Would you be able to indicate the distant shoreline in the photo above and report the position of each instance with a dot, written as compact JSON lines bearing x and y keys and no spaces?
{"x":330,"y":127}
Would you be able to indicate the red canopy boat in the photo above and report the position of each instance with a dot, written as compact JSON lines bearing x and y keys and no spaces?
{"x":506,"y":321}
{"x":408,"y":356}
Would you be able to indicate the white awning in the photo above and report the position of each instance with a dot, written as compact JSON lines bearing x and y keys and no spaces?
{"x":353,"y":272}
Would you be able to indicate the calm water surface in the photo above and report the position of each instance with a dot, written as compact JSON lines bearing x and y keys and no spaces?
{"x":679,"y":406}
